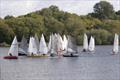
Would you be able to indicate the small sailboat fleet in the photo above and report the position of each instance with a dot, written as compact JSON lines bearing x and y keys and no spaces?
{"x":34,"y":50}
{"x":116,"y":44}
{"x":57,"y":46}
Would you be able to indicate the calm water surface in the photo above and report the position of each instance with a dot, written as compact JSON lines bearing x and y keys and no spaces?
{"x":98,"y":66}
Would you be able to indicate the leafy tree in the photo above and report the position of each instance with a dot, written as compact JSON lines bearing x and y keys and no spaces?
{"x":8,"y":17}
{"x":6,"y":33}
{"x":118,"y":12}
{"x":103,"y":10}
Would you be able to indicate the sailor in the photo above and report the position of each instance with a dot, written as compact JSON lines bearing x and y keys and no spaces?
{"x":10,"y":54}
{"x":32,"y":54}
{"x":71,"y":54}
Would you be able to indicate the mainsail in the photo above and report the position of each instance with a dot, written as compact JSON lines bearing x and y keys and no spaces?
{"x":49,"y":44}
{"x":71,"y":47}
{"x":14,"y":47}
{"x":43,"y":47}
{"x":37,"y":42}
{"x":53,"y":49}
{"x":116,"y":44}
{"x":92,"y":44}
{"x":85,"y":43}
{"x":59,"y":44}
{"x":65,"y":42}
{"x":23,"y":45}
{"x":32,"y":49}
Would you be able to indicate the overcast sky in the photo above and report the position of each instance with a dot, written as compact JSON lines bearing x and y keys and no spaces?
{"x":21,"y":7}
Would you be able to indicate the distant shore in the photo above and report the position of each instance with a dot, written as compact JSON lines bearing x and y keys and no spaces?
{"x":4,"y":44}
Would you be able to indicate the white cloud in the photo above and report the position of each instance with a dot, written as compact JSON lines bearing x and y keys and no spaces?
{"x":21,"y":7}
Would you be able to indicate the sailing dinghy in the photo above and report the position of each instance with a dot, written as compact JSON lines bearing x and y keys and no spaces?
{"x":43,"y":49}
{"x":91,"y":47}
{"x":13,"y":51}
{"x":71,"y":48}
{"x":32,"y":48}
{"x":23,"y":47}
{"x":59,"y":45}
{"x":85,"y":43}
{"x":53,"y":45}
{"x":116,"y":44}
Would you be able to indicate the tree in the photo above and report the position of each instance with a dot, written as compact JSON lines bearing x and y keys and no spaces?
{"x":103,"y":10}
{"x":6,"y":33}
{"x":8,"y":17}
{"x":118,"y":12}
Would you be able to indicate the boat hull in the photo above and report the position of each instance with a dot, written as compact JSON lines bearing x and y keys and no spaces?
{"x":10,"y":57}
{"x":22,"y":54}
{"x":70,"y":55}
{"x":84,"y":50}
{"x":37,"y":56}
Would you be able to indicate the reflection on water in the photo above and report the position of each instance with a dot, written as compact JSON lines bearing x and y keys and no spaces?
{"x":98,"y":66}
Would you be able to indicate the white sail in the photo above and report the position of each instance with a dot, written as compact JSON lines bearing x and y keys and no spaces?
{"x":65,"y":42}
{"x":37,"y":42}
{"x":32,"y":48}
{"x":49,"y":44}
{"x":71,"y":46}
{"x":53,"y":49}
{"x":116,"y":44}
{"x":85,"y":42}
{"x":14,"y":48}
{"x":23,"y":45}
{"x":92,"y":44}
{"x":59,"y":43}
{"x":35,"y":51}
{"x":43,"y":47}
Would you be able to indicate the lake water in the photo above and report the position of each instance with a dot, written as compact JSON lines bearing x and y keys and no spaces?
{"x":99,"y":66}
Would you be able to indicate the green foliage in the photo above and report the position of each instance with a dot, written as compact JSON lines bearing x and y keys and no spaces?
{"x":103,"y":10}
{"x":52,"y":20}
{"x":8,"y":17}
{"x":6,"y":33}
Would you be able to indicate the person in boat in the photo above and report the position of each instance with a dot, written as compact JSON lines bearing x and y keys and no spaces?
{"x":32,"y":54}
{"x":59,"y":52}
{"x":84,"y":50}
{"x":71,"y":54}
{"x":43,"y":54}
{"x":10,"y":54}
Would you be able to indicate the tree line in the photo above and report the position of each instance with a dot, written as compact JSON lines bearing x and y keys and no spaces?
{"x":101,"y":24}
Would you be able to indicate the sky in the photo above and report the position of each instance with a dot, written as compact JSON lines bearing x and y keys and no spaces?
{"x":22,"y":7}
